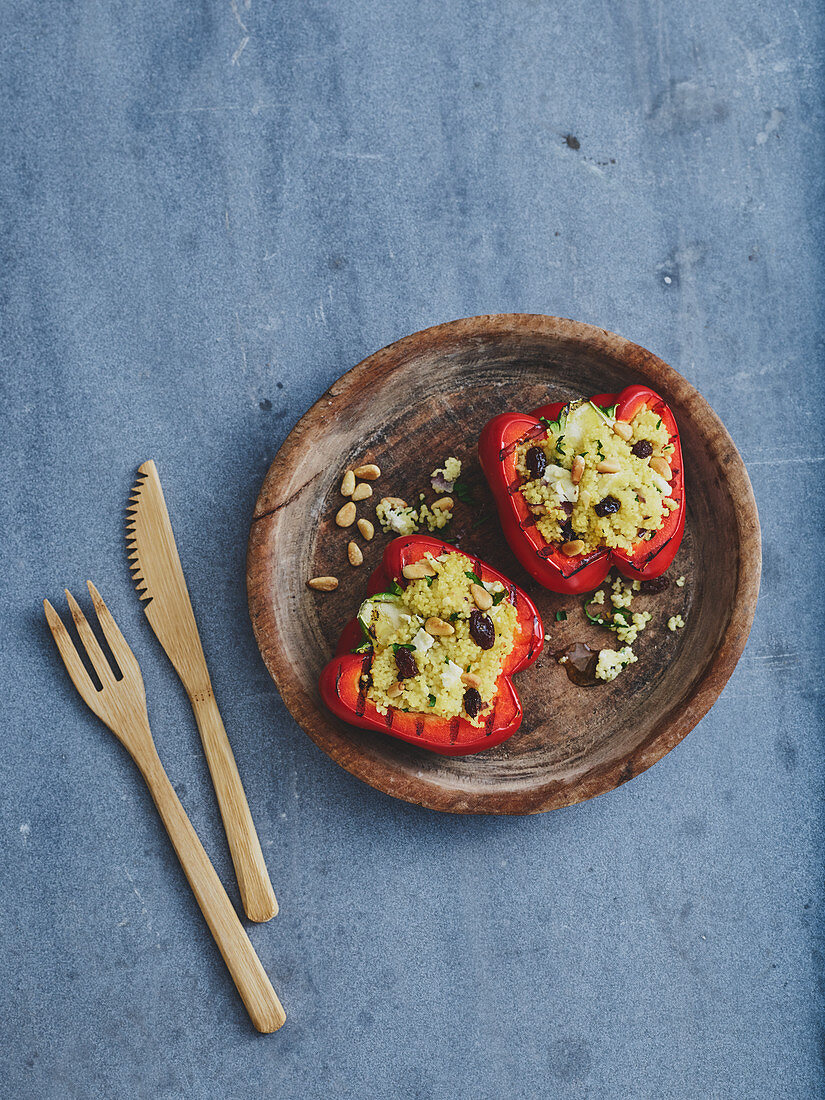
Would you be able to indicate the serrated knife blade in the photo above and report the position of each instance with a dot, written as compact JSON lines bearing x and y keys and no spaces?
{"x":158,"y":577}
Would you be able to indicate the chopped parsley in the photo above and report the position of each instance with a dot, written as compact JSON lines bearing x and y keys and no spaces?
{"x":474,"y":577}
{"x":599,"y":620}
{"x":401,"y":645}
{"x":463,"y":492}
{"x":498,"y":597}
{"x":430,"y":580}
{"x":431,"y":700}
{"x":395,"y":588}
{"x":559,"y":446}
{"x":659,"y":422}
{"x":561,"y":616}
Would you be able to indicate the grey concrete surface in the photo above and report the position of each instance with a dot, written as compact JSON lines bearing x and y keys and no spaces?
{"x":211,"y":210}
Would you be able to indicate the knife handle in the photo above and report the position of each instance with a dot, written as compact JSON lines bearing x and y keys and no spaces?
{"x":257,"y":895}
{"x":247,"y":972}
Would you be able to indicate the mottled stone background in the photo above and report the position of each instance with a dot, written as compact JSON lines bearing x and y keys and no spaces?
{"x":211,"y":210}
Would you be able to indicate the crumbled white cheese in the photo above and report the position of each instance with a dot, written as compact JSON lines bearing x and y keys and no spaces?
{"x":422,"y":642}
{"x":561,"y":482}
{"x":451,"y":675}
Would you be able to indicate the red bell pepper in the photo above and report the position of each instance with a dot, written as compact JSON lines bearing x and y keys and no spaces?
{"x":545,"y":561}
{"x":343,"y":689}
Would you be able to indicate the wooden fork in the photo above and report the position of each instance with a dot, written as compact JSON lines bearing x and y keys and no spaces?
{"x":121,"y":705}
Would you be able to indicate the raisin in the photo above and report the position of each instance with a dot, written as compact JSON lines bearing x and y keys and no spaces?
{"x":654,"y":585}
{"x":482,"y":630}
{"x":472,"y":702}
{"x":536,"y":462}
{"x":566,"y":507}
{"x":642,"y":449}
{"x":405,"y":663}
{"x":567,"y":532}
{"x":607,"y":507}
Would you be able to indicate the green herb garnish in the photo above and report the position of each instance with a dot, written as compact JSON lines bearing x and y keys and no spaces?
{"x":402,"y":645}
{"x":559,"y":447}
{"x":431,"y":699}
{"x":659,"y":422}
{"x":463,"y":492}
{"x":597,"y":619}
{"x":623,"y":614}
{"x":561,"y":616}
{"x":474,"y":577}
{"x":498,"y":597}
{"x":454,"y":616}
{"x":395,"y":588}
{"x":429,"y":581}
{"x":555,"y":425}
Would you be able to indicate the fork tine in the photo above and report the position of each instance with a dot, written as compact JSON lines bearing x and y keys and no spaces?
{"x":90,"y":642}
{"x":74,"y":666}
{"x":117,"y":643}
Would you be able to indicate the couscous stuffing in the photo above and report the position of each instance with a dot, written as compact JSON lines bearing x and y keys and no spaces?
{"x":435,"y":651}
{"x":585,"y":482}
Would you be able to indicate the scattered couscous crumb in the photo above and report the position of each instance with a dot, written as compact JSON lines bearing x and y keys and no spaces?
{"x":675,"y":622}
{"x":598,"y":597}
{"x":613,"y":661}
{"x":444,"y":478}
{"x":399,"y":518}
{"x":396,"y":517}
{"x":680,"y":582}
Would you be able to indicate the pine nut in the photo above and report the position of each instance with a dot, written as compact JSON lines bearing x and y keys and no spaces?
{"x":572,"y":549}
{"x":346,"y":515}
{"x":348,"y":484}
{"x":438,"y":628}
{"x":661,"y":467}
{"x":471,"y":680}
{"x":609,"y":466}
{"x":623,"y":429}
{"x":323,"y":584}
{"x":444,"y":503}
{"x":418,"y":569}
{"x":394,"y":690}
{"x":577,"y":469}
{"x":369,"y":472}
{"x":483,"y":599}
{"x":354,"y":553}
{"x":394,"y":502}
{"x":366,"y":529}
{"x":362,"y":491}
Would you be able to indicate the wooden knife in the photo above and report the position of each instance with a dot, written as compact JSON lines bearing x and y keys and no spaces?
{"x":158,"y":577}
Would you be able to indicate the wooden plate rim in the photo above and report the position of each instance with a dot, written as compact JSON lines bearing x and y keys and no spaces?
{"x":677,"y":724}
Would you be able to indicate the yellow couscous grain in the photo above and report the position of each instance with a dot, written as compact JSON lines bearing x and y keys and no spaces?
{"x":437,"y":688}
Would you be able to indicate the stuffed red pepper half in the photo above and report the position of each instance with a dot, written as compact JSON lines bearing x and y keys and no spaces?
{"x":430,"y":656}
{"x":588,"y":484}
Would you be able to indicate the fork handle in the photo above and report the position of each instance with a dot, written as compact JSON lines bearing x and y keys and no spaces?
{"x":249,"y":976}
{"x":257,"y":895}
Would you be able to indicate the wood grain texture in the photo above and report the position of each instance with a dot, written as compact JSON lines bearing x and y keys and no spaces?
{"x":406,"y":408}
{"x":121,"y":705}
{"x":158,"y":576}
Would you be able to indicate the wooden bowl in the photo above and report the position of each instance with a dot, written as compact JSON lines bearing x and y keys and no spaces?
{"x":409,"y":406}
